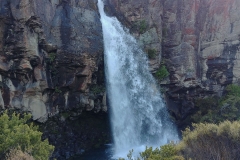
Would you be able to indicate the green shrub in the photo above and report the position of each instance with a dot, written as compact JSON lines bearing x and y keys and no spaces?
{"x":229,"y":105}
{"x":96,"y":89}
{"x":166,"y":152}
{"x":162,"y":73}
{"x":215,"y":110}
{"x":52,"y":56}
{"x":142,"y":26}
{"x":211,"y":141}
{"x":207,"y":110}
{"x":16,"y":133}
{"x":57,"y":90}
{"x":152,"y":53}
{"x":233,"y":90}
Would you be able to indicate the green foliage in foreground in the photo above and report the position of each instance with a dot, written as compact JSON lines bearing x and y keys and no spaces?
{"x":166,"y":152}
{"x":212,"y":141}
{"x":162,"y":73}
{"x":15,"y":133}
{"x":205,"y":142}
{"x":215,"y":110}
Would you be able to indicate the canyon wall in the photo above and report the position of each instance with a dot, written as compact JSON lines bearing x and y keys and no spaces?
{"x":198,"y":41}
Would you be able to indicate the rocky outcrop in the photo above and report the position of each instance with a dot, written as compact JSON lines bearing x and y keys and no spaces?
{"x":50,"y":52}
{"x":199,"y":40}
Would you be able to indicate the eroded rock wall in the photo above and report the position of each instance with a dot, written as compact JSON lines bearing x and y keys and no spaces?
{"x":201,"y":46}
{"x":50,"y":51}
{"x":199,"y":40}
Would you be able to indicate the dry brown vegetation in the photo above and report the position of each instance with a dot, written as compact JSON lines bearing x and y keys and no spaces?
{"x":211,"y":141}
{"x":15,"y":154}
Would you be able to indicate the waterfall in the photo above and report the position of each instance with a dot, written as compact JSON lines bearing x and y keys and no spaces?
{"x":138,"y":113}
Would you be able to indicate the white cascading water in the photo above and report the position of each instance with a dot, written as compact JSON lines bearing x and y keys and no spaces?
{"x":138,"y":115}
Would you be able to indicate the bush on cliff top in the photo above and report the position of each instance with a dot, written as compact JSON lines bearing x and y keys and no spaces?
{"x":15,"y":133}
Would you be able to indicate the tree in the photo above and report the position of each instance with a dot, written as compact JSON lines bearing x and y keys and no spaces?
{"x":15,"y":132}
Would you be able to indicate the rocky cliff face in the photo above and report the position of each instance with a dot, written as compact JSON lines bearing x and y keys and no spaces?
{"x":50,"y":52}
{"x":199,"y":40}
{"x":51,"y":64}
{"x":202,"y":48}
